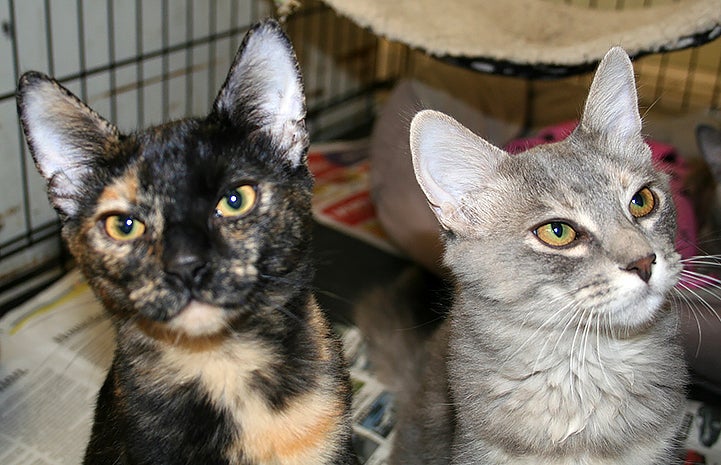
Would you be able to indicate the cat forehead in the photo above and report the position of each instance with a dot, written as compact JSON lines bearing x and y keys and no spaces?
{"x":576,"y":164}
{"x":195,"y":148}
{"x":566,"y":181}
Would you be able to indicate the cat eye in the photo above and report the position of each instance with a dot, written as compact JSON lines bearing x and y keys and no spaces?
{"x":555,"y":234}
{"x":237,"y":202}
{"x":642,"y":203}
{"x":124,"y":227}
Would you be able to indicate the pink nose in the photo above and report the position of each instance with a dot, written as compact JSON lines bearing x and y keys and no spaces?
{"x":642,"y":266}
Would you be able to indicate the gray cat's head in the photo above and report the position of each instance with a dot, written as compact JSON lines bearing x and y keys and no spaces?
{"x":581,"y":229}
{"x":188,"y":223}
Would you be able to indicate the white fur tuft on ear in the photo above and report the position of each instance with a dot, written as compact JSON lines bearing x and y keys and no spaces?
{"x":64,"y":136}
{"x":612,"y":105}
{"x":449,"y":160}
{"x":264,"y":86}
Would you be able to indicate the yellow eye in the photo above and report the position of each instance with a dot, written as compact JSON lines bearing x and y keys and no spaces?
{"x":555,"y":234}
{"x":642,"y":203}
{"x":237,"y":202}
{"x":124,"y":227}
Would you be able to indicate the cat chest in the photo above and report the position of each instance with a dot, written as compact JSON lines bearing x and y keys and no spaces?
{"x":571,"y":408}
{"x":304,"y":430}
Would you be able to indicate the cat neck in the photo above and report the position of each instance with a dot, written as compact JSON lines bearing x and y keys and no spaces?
{"x":500,"y":332}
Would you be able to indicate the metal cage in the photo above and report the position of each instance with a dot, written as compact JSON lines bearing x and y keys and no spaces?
{"x":144,"y":62}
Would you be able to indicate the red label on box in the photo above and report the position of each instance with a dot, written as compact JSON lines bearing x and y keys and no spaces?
{"x":321,"y":167}
{"x":352,"y":210}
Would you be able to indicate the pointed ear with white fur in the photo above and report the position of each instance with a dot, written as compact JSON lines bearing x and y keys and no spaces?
{"x":612,"y":106}
{"x":449,"y":161}
{"x":65,"y":137}
{"x":264,"y":88}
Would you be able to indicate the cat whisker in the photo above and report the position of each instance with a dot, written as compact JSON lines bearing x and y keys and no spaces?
{"x":572,"y":368}
{"x":547,"y":322}
{"x":598,"y":347}
{"x":572,"y":316}
{"x":333,"y":295}
{"x":699,"y":299}
{"x":587,"y":330}
{"x":693,"y":313}
{"x":702,"y":277}
{"x":701,"y":257}
{"x":692,"y":298}
{"x":265,"y":301}
{"x":567,"y":315}
{"x":316,"y":290}
{"x":704,"y":261}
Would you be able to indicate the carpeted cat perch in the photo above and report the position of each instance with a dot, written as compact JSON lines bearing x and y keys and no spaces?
{"x":533,"y":38}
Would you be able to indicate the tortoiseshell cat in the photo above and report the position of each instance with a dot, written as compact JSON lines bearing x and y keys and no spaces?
{"x":560,"y":346}
{"x":195,"y":235}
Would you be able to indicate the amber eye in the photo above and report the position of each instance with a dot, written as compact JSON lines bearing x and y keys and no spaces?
{"x":124,"y":227}
{"x":237,"y":202}
{"x":642,"y":203}
{"x":555,"y":234}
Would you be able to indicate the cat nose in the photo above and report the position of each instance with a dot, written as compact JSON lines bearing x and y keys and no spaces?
{"x":642,"y":266}
{"x":185,"y":266}
{"x":185,"y":253}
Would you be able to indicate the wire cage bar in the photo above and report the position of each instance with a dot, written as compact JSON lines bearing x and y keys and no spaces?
{"x":145,"y":62}
{"x":142,"y":62}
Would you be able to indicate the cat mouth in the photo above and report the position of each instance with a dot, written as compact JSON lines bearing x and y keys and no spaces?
{"x":637,"y":312}
{"x":198,"y":319}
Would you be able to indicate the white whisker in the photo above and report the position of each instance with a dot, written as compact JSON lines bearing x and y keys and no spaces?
{"x":570,"y":315}
{"x":701,"y":300}
{"x":586,"y":332}
{"x":573,"y":351}
{"x":547,"y":322}
{"x":692,"y":306}
{"x":598,"y":347}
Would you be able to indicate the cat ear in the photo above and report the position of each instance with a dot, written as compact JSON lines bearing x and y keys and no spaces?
{"x":65,"y":137}
{"x":264,"y":87}
{"x":709,"y":142}
{"x":449,"y":161}
{"x":612,"y":106}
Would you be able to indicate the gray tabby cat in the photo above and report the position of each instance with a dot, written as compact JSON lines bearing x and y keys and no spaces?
{"x":560,"y":347}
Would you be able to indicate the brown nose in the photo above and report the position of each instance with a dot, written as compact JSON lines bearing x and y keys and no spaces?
{"x":642,"y":266}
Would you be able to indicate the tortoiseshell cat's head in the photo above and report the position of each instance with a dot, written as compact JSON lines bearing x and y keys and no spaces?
{"x":190,"y":225}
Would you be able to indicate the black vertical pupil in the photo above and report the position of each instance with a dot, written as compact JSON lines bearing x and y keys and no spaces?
{"x":638,"y":200}
{"x":557,"y":229}
{"x":125,"y":225}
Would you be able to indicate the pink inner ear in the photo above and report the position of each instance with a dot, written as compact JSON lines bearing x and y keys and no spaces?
{"x":664,"y":156}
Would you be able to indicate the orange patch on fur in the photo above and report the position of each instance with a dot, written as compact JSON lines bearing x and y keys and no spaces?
{"x":317,"y":321}
{"x":306,"y":432}
{"x":124,"y":190}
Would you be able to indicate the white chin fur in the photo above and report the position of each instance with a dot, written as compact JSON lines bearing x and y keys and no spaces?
{"x":198,"y":319}
{"x":638,"y":302}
